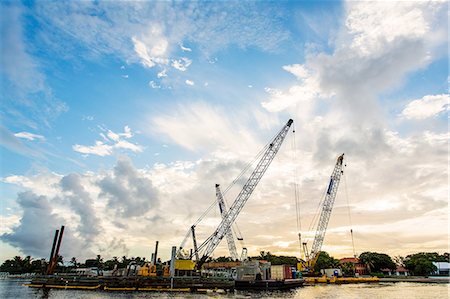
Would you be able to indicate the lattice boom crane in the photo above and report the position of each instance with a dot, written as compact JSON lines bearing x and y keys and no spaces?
{"x":325,"y":214}
{"x":229,"y":234}
{"x":210,"y":244}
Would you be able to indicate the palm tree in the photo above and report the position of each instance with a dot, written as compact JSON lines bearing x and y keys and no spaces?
{"x":74,"y":262}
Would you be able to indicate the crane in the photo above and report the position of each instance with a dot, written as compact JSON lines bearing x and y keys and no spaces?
{"x":325,"y":214}
{"x":210,"y":244}
{"x":229,"y":234}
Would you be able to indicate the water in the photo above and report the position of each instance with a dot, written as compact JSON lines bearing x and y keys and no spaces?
{"x":10,"y":288}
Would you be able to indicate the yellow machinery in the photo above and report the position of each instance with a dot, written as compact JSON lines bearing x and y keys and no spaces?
{"x":184,"y":265}
{"x":152,"y":270}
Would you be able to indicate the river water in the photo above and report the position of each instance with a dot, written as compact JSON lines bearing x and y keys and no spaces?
{"x":10,"y":288}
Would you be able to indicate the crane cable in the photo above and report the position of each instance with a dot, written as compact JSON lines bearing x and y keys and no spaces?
{"x":213,"y":204}
{"x":296,"y":189}
{"x":349,"y":214}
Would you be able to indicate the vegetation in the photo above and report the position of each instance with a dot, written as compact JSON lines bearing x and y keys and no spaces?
{"x":418,"y":263}
{"x":375,"y":262}
{"x":277,"y":259}
{"x":422,"y":263}
{"x":19,"y":265}
{"x":348,"y":269}
{"x":325,"y":261}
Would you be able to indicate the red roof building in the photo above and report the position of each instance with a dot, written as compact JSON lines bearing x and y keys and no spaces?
{"x":360,"y":268}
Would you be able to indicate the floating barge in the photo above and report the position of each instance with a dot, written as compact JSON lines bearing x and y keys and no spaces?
{"x":268,"y":285}
{"x":161,"y":284}
{"x":176,"y":284}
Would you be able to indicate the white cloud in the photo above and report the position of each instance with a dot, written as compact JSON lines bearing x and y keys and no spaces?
{"x":373,"y":24}
{"x":428,"y":106}
{"x":189,"y":82}
{"x":99,"y":149}
{"x":111,"y":141}
{"x":162,"y":74}
{"x":378,"y":46}
{"x":153,"y":84}
{"x":141,"y":51}
{"x":29,"y":136}
{"x":190,"y":126}
{"x":181,"y":64}
{"x":154,"y":31}
{"x":185,"y":49}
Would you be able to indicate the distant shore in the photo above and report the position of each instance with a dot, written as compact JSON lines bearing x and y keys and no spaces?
{"x":419,"y":279}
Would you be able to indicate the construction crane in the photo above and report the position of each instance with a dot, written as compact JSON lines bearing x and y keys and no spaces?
{"x":229,"y":234}
{"x":270,"y":151}
{"x":325,"y":214}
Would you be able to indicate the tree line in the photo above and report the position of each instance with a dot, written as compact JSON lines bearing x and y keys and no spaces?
{"x":420,"y":264}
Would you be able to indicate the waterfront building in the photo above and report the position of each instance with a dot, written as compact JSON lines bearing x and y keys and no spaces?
{"x":442,"y":268}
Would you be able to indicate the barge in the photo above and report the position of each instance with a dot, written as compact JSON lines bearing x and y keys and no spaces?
{"x":137,"y":283}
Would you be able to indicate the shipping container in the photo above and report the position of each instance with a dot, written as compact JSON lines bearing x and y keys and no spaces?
{"x":281,"y":272}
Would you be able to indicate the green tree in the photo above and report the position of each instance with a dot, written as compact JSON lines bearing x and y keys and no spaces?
{"x":422,"y":263}
{"x":325,"y":261}
{"x":277,"y":259}
{"x":74,"y":262}
{"x":348,"y":269}
{"x":375,"y":261}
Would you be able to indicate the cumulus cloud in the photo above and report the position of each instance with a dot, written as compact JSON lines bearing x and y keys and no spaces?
{"x":190,"y":82}
{"x":34,"y":234}
{"x":388,"y":40}
{"x":89,"y":205}
{"x":128,"y":192}
{"x":82,"y":204}
{"x":111,"y":142}
{"x":428,"y":106}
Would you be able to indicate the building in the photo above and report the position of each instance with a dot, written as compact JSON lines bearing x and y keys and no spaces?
{"x":360,"y":268}
{"x":442,"y":268}
{"x":399,"y":271}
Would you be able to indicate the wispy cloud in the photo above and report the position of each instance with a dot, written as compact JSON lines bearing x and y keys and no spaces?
{"x":29,"y":136}
{"x":26,"y":83}
{"x":156,"y":31}
{"x":111,"y":142}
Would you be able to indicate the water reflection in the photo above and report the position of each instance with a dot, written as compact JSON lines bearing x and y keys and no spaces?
{"x":14,"y":289}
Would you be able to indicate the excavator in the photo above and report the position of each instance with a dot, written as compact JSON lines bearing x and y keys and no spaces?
{"x":311,"y":257}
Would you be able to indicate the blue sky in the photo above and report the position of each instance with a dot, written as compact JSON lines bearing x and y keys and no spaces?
{"x":119,"y":117}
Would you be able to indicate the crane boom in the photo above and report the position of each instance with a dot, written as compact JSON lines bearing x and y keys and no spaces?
{"x":330,"y":196}
{"x":213,"y":241}
{"x":229,"y":234}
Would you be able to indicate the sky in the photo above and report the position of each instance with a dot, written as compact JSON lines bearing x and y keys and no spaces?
{"x":119,"y":117}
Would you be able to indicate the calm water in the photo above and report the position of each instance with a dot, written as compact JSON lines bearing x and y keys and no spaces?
{"x":13,"y":289}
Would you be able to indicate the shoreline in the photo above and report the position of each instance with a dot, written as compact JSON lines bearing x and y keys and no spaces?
{"x":416,"y":279}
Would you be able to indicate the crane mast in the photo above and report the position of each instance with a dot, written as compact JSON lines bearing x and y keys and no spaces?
{"x":229,"y":234}
{"x":330,"y":196}
{"x":213,"y":241}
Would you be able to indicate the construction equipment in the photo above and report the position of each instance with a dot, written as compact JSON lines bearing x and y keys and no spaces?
{"x":229,"y":234}
{"x":325,"y":214}
{"x":53,"y":261}
{"x":210,"y":244}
